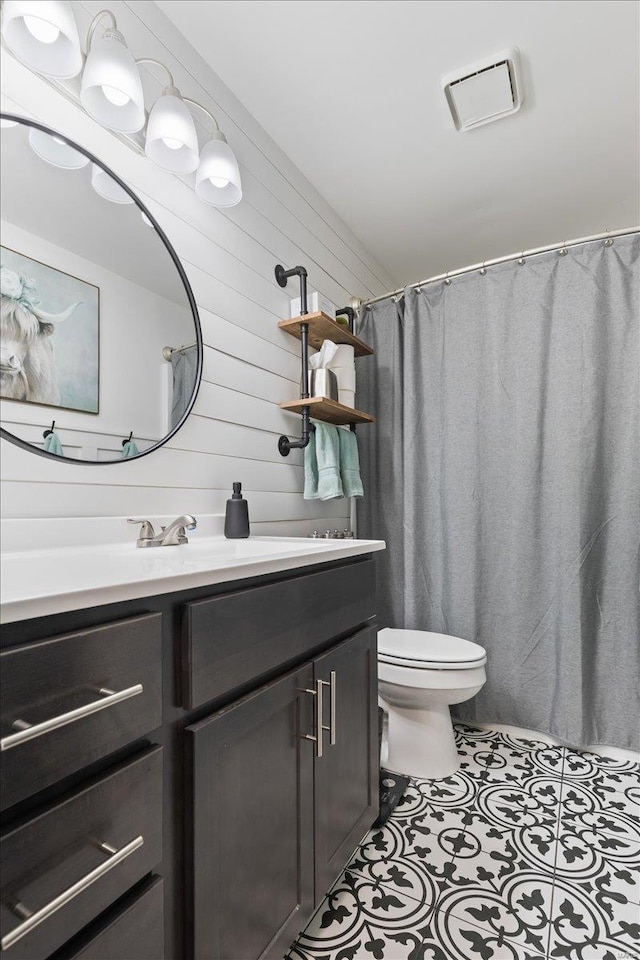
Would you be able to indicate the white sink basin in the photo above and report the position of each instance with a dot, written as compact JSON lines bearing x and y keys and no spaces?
{"x":39,"y":582}
{"x":214,"y":547}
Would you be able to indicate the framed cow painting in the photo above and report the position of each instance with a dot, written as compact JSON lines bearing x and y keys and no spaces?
{"x":49,"y":335}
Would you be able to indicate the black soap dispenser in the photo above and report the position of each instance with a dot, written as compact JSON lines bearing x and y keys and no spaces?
{"x":236,"y":521}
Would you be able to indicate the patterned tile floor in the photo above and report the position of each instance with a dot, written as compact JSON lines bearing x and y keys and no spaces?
{"x":529,"y":852}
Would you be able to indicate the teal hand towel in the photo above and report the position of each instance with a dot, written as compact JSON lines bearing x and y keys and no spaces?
{"x":322,"y":464}
{"x":350,"y":464}
{"x":328,"y":457}
{"x":310,"y":470}
{"x":129,"y":449}
{"x":52,"y":444}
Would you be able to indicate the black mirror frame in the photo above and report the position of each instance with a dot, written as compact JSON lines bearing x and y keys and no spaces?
{"x":5,"y":434}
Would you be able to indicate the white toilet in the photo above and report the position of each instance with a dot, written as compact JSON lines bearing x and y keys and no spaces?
{"x":420,"y":674}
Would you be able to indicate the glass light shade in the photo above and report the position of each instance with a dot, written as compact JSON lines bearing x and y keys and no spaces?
{"x":43,"y":35}
{"x":172,"y":141}
{"x":218,"y":176}
{"x":106,"y":186}
{"x":56,"y":151}
{"x":111,"y":89}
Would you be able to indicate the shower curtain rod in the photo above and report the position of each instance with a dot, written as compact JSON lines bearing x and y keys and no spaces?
{"x":608,"y":234}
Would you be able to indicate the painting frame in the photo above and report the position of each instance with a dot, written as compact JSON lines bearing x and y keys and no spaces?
{"x":85,"y":283}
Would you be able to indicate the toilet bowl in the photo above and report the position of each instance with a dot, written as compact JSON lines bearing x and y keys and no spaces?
{"x":420,"y":675}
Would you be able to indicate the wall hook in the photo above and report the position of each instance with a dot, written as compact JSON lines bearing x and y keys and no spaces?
{"x":50,"y":430}
{"x":128,"y":440}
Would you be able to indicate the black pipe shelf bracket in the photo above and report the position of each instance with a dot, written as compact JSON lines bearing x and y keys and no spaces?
{"x":285,"y":446}
{"x":350,"y":313}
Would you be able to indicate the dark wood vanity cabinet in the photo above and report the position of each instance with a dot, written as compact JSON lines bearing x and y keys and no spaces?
{"x":284,"y":788}
{"x":205,"y":814}
{"x":346,"y":776}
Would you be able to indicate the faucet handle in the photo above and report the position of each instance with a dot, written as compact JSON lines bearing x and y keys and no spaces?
{"x":146,"y":531}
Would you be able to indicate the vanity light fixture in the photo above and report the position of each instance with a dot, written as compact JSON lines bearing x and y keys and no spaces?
{"x":111,"y":89}
{"x":43,"y":35}
{"x":106,"y":186}
{"x":55,"y":151}
{"x":171,"y":140}
{"x":218,"y":176}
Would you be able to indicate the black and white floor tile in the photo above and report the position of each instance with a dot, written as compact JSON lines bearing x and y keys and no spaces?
{"x":529,"y":852}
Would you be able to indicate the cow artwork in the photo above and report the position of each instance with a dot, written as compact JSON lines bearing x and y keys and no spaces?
{"x":40,"y":361}
{"x":27,"y":358}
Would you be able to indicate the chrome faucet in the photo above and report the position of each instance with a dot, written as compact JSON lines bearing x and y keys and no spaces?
{"x":170,"y":536}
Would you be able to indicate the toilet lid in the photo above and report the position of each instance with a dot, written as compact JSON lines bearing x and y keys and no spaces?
{"x":422,"y":649}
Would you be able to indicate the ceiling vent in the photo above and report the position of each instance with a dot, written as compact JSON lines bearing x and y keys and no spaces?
{"x":484,"y":91}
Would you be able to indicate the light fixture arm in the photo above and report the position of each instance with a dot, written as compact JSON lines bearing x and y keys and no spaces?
{"x":95,"y":22}
{"x":158,"y":63}
{"x":194,"y":103}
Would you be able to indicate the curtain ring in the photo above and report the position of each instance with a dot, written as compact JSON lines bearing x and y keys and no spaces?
{"x":562,"y":252}
{"x":447,"y":280}
{"x":608,"y":242}
{"x":483,"y":269}
{"x":521,"y":259}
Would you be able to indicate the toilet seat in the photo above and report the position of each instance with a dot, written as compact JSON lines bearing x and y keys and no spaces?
{"x":423,"y":650}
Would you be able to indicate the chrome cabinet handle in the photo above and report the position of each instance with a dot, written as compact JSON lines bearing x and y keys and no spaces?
{"x":317,"y":737}
{"x":34,"y":920}
{"x":332,"y":721}
{"x":26,"y":731}
{"x":331,"y":683}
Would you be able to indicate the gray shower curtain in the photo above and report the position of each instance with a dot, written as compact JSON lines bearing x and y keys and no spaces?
{"x":504,"y":474}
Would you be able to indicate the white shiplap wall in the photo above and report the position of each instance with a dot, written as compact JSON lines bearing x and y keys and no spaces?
{"x":229,"y":256}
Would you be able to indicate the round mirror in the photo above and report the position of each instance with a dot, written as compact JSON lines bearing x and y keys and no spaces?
{"x":100,"y":343}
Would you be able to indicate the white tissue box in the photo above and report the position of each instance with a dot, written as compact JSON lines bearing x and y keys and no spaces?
{"x":315,"y":304}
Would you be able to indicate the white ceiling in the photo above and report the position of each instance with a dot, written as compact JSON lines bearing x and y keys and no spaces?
{"x":350,"y":90}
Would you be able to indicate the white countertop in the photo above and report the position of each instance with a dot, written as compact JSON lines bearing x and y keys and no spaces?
{"x":36,"y":581}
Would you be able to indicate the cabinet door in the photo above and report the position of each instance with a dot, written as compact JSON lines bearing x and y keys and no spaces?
{"x":252,"y":821}
{"x":346,"y":775}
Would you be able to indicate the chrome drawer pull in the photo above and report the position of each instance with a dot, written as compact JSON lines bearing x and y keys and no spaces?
{"x":28,"y":732}
{"x":317,"y":737}
{"x":331,"y":683}
{"x":34,"y":920}
{"x":332,"y":721}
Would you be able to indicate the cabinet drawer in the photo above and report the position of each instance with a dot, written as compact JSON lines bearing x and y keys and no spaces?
{"x":240,"y":637}
{"x":69,"y":863}
{"x":73,"y":699}
{"x":134,"y":930}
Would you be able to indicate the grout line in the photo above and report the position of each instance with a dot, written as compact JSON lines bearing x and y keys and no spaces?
{"x":557,"y":853}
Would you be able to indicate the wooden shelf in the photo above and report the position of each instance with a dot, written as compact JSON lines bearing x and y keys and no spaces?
{"x":322,"y":327}
{"x":328,"y":410}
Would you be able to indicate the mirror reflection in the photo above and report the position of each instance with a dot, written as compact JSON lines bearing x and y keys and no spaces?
{"x":100,"y":348}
